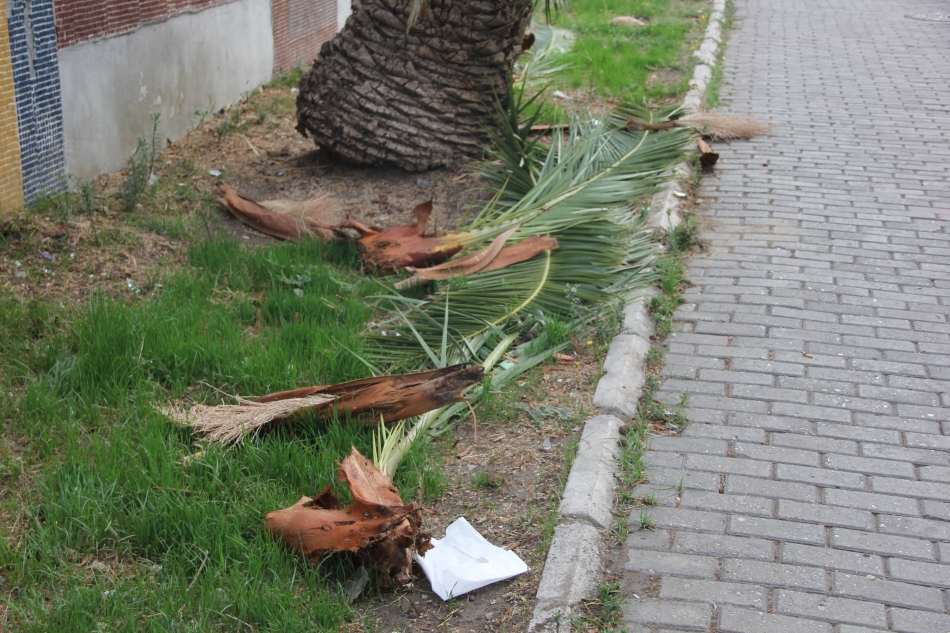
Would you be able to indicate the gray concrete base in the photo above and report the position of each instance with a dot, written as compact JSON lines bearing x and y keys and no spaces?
{"x":575,"y":560}
{"x":618,"y":391}
{"x":571,"y":573}
{"x":589,"y":494}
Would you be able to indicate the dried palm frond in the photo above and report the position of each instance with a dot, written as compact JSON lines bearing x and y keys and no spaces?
{"x":720,"y":127}
{"x":231,"y":423}
{"x":322,"y":208}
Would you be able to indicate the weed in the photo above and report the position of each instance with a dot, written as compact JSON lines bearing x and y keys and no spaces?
{"x":603,"y":614}
{"x":484,"y":479}
{"x":715,"y":83}
{"x":140,"y":166}
{"x":620,"y":530}
{"x":646,"y":522}
{"x":288,"y":77}
{"x":655,"y":359}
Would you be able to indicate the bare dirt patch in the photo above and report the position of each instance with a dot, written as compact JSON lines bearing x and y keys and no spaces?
{"x":508,"y":486}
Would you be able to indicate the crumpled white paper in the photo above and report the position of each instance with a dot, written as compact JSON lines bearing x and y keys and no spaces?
{"x":464,"y":561}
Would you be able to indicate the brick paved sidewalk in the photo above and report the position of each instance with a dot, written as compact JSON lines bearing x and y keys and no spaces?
{"x":812,"y":491}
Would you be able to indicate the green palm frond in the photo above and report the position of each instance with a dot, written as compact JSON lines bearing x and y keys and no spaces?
{"x":583,"y":195}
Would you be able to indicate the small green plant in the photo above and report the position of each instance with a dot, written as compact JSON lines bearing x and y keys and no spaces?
{"x":620,"y":530}
{"x":605,"y":612}
{"x":651,"y":500}
{"x":484,"y":479}
{"x":646,"y":521}
{"x":202,"y":114}
{"x":655,"y":359}
{"x":140,"y":167}
{"x":288,"y":77}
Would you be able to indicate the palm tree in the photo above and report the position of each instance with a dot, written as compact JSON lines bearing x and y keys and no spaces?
{"x":417,"y":97}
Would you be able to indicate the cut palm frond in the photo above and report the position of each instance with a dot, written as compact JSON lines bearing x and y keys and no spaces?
{"x":546,"y":57}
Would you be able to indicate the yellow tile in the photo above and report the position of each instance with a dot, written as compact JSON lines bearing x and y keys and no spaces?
{"x":11,"y":176}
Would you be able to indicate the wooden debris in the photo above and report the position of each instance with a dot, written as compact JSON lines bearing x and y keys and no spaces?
{"x":706,"y":155}
{"x":402,"y":246}
{"x":390,"y":397}
{"x":382,"y":531}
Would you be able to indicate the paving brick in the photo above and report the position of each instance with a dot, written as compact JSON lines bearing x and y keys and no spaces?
{"x":820,"y":476}
{"x":687,"y":519}
{"x":778,"y":530}
{"x":672,"y":564}
{"x":687,"y":445}
{"x":737,"y":484}
{"x":703,"y":500}
{"x":935,"y":510}
{"x":831,"y":558}
{"x":848,"y":432}
{"x":726,"y":546}
{"x":685,"y":616}
{"x":870,"y":501}
{"x":884,"y":544}
{"x":918,"y":572}
{"x":907,"y":455}
{"x":647,"y":539}
{"x":728,"y":433}
{"x":825,"y":515}
{"x":776,"y":454}
{"x":737,"y":620}
{"x":815,"y":443}
{"x":771,"y":423}
{"x":919,"y":489}
{"x":913,"y":526}
{"x":927,"y":440}
{"x":690,"y":590}
{"x":912,"y":621}
{"x":838,"y":610}
{"x":870,"y":466}
{"x":886,"y":592}
{"x":729,"y":465}
{"x":774,"y":574}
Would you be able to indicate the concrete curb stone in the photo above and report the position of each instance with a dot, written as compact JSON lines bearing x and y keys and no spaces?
{"x":576,"y":558}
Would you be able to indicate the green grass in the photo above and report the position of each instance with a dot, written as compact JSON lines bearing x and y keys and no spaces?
{"x":618,"y":62}
{"x":104,"y":479}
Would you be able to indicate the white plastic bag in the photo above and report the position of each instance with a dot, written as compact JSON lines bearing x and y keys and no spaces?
{"x":464,"y":561}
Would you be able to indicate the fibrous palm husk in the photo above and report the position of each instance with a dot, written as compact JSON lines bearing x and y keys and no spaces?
{"x":718,"y":127}
{"x":285,"y":219}
{"x":382,"y":531}
{"x":402,"y":246}
{"x":231,"y":423}
{"x":391,"y":398}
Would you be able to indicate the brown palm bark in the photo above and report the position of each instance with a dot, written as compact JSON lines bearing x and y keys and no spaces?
{"x":421,"y":99}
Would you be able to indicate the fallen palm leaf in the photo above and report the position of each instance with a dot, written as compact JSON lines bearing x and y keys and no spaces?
{"x":382,"y":531}
{"x":367,"y":400}
{"x":284,"y":219}
{"x":492,"y":257}
{"x":402,"y":246}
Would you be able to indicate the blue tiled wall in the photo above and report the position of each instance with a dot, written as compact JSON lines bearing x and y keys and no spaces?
{"x":39,"y":103}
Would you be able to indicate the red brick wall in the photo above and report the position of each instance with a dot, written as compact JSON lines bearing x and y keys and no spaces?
{"x":300,"y":29}
{"x":84,"y":20}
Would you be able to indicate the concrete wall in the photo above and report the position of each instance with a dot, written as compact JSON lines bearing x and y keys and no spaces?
{"x":343,"y":10}
{"x":110,"y":87}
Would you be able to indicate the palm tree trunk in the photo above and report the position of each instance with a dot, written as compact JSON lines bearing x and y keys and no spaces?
{"x":421,"y":99}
